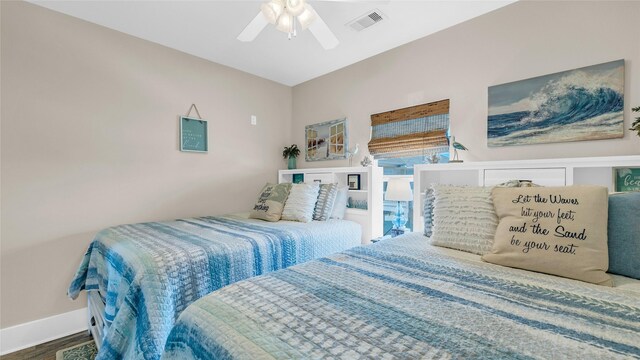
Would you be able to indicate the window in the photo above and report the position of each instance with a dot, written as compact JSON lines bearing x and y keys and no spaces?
{"x":413,"y":135}
{"x":404,"y":137}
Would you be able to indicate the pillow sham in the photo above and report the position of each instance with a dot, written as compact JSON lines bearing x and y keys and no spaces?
{"x":340,"y":204}
{"x":463,"y":218}
{"x":428,"y":200}
{"x":624,"y":234}
{"x":427,"y":212}
{"x":301,"y":202}
{"x":326,"y":200}
{"x":271,"y":202}
{"x":555,"y":230}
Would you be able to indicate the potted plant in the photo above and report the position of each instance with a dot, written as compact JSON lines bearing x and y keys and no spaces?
{"x":291,"y":153}
{"x":636,"y":124}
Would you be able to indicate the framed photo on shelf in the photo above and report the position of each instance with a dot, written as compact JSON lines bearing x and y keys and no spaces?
{"x":298,"y":178}
{"x":627,"y":179}
{"x":353,"y":180}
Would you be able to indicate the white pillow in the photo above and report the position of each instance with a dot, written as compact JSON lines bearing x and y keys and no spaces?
{"x":326,"y":200}
{"x":301,"y":202}
{"x":463,"y":218}
{"x":340,"y":205}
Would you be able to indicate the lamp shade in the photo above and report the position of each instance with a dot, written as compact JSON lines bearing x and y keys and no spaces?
{"x":272,"y":10}
{"x":399,"y":189}
{"x":295,"y":7}
{"x":307,"y":16}
{"x":285,"y":23}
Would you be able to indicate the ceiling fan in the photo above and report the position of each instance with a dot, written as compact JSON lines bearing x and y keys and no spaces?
{"x":283,"y":14}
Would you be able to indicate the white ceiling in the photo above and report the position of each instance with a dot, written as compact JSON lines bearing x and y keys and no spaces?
{"x":208,"y":29}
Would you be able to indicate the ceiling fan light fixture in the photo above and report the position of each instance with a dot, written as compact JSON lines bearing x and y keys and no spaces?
{"x":306,"y":17}
{"x":285,"y":23}
{"x":272,"y":10}
{"x":283,"y":14}
{"x":295,"y":7}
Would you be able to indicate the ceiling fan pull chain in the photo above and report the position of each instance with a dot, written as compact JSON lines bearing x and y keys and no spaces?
{"x":293,"y":25}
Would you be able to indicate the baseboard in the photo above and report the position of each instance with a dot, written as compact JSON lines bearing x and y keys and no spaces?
{"x":40,"y":331}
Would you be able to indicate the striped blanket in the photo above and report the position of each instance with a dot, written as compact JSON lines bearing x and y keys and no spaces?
{"x":148,"y":273}
{"x":405,"y":299}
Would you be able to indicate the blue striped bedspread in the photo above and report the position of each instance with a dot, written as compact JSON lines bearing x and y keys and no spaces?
{"x":403,"y":298}
{"x":148,"y":273}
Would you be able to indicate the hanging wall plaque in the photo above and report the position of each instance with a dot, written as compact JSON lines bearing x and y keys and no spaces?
{"x":193,"y":134}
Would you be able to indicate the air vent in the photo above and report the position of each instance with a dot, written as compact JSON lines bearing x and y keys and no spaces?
{"x":369,"y":18}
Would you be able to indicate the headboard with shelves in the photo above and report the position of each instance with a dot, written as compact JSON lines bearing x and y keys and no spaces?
{"x":370,"y":193}
{"x":546,"y":172}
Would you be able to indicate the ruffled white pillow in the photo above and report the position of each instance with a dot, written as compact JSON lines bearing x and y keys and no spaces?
{"x":301,"y":202}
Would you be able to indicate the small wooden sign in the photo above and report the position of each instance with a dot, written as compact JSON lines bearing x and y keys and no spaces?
{"x":193,"y":135}
{"x":627,"y":179}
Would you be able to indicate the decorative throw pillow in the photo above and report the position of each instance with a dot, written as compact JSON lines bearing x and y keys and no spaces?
{"x":271,"y":202}
{"x":326,"y":200}
{"x":463,"y":218}
{"x":624,"y":234}
{"x":340,"y":205}
{"x":301,"y":202}
{"x":429,"y":198}
{"x":554,"y":230}
{"x":427,"y":211}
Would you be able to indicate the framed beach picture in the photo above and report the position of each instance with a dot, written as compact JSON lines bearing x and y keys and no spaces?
{"x":327,"y":140}
{"x":574,"y":105}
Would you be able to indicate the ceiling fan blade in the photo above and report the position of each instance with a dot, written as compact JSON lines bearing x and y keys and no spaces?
{"x":254,"y":28}
{"x":321,"y":31}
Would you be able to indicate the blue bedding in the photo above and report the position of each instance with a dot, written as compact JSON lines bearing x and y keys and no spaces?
{"x":403,"y":298}
{"x":148,"y":273}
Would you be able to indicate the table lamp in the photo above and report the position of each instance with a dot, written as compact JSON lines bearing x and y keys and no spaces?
{"x":399,"y":189}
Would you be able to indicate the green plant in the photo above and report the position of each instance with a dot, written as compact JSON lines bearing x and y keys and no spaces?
{"x":636,"y":124}
{"x":290,"y":151}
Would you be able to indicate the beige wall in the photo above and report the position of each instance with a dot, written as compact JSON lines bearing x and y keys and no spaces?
{"x":90,"y":139}
{"x":89,"y":122}
{"x":522,"y":40}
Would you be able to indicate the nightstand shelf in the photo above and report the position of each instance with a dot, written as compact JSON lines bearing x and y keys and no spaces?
{"x":370,"y":193}
{"x":356,"y":211}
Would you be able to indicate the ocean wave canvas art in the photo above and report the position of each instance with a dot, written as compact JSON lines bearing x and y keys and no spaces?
{"x":574,"y":105}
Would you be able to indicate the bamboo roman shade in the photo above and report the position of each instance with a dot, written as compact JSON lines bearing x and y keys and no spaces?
{"x":413,"y":131}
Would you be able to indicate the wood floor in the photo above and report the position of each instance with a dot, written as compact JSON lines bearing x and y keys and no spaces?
{"x":47,"y":351}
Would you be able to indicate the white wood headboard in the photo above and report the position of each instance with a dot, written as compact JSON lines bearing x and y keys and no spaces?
{"x":370,"y":190}
{"x":546,"y":172}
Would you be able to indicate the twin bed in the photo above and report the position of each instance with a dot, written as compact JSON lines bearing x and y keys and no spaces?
{"x":140,"y":277}
{"x":403,"y":298}
{"x":398,"y":298}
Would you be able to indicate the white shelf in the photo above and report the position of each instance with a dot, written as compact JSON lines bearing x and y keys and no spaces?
{"x":350,"y":169}
{"x":371,"y":190}
{"x":356,"y":211}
